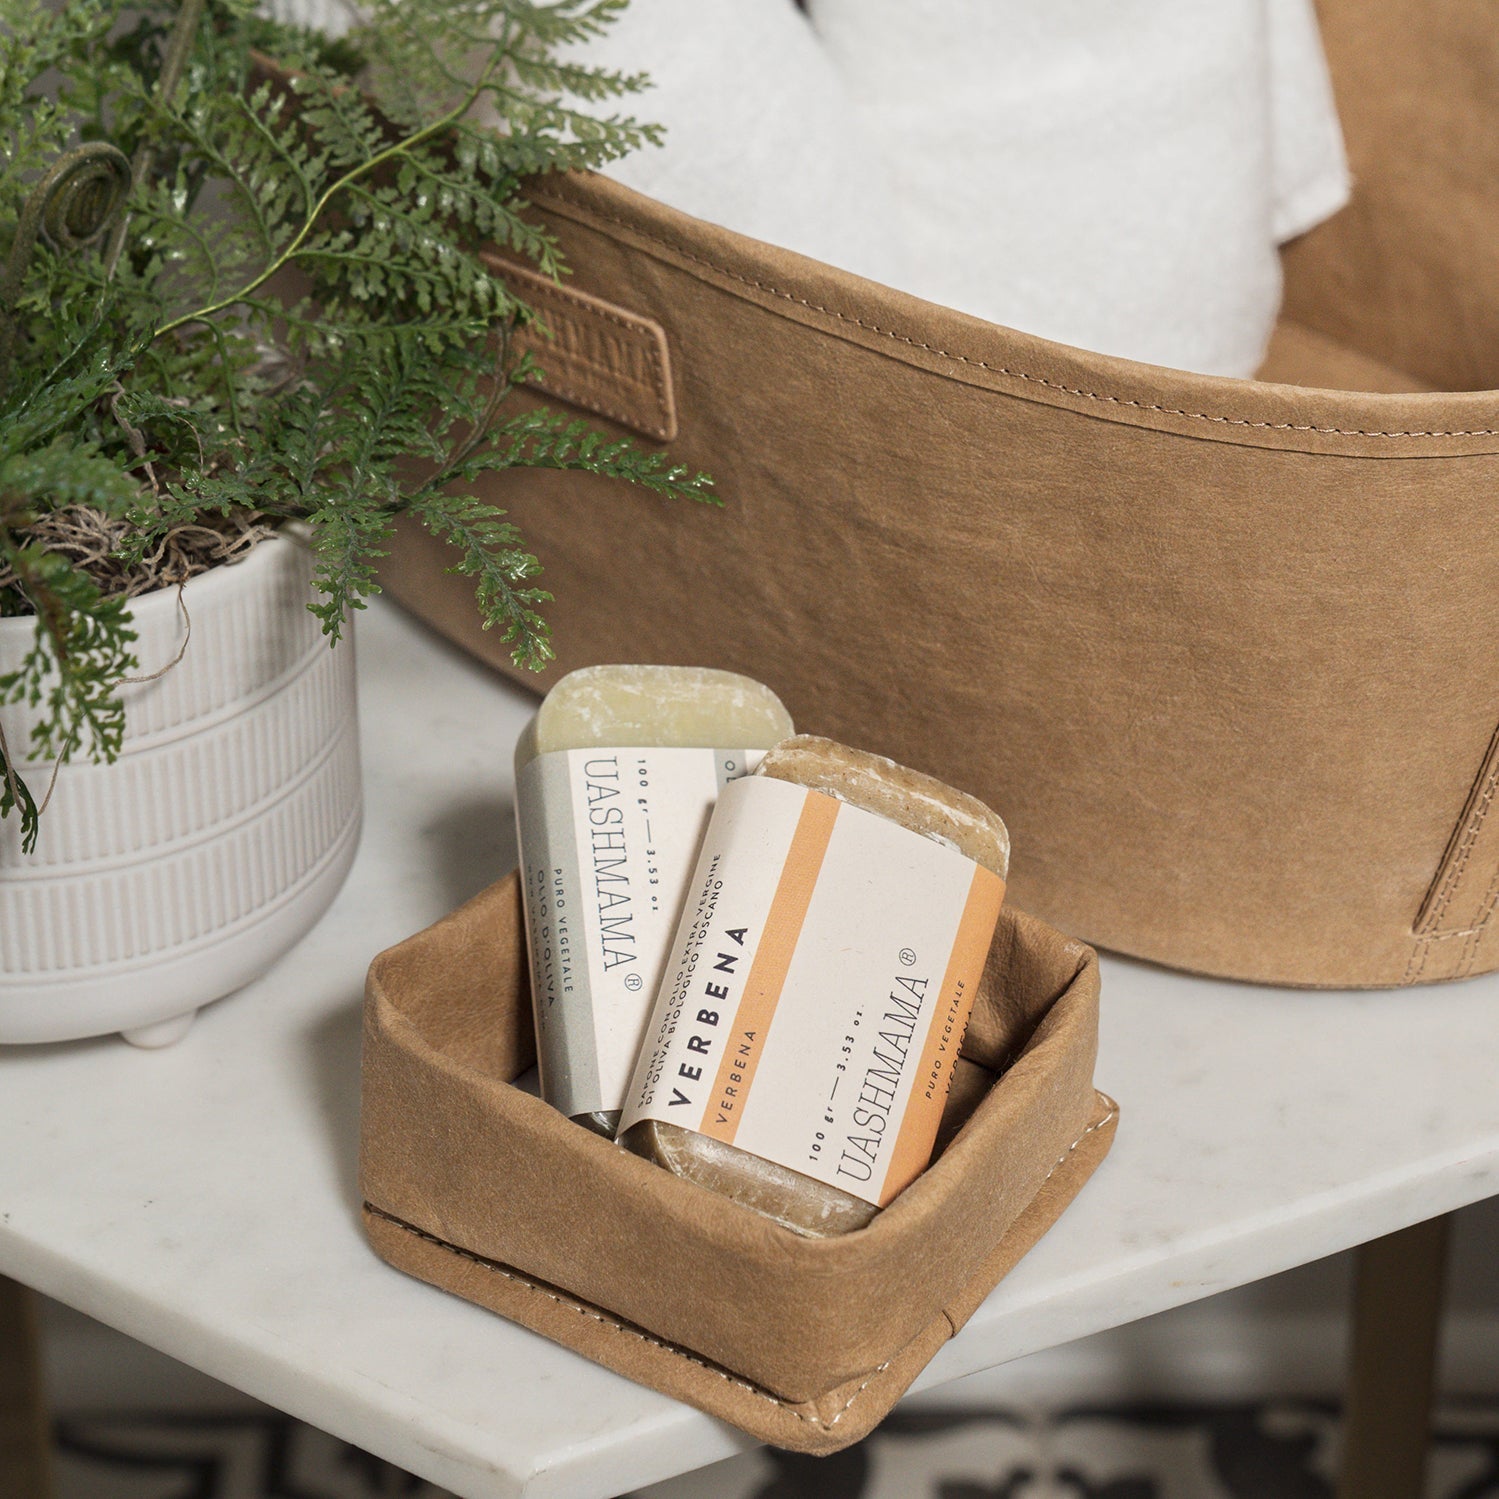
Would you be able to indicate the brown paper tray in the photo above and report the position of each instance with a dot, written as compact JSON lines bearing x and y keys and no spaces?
{"x":483,"y":1190}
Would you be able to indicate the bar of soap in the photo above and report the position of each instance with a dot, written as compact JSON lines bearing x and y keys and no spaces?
{"x":647,"y":835}
{"x":683,"y":707}
{"x":915,"y":801}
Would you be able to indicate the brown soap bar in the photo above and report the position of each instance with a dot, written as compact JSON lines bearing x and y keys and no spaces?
{"x":915,"y":801}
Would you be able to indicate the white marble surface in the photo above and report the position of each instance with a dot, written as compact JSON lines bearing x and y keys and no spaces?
{"x":203,"y":1198}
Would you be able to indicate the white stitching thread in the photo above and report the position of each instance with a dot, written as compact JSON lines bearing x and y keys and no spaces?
{"x":1465,"y":848}
{"x":997,"y":369}
{"x":1426,"y":932}
{"x":615,"y":1325}
{"x":612,"y":1322}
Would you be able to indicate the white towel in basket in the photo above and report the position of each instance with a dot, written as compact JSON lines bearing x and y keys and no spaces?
{"x":761,"y":136}
{"x":1114,"y":174}
{"x":1109,"y":173}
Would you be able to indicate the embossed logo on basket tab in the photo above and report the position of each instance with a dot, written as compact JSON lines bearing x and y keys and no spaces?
{"x":609,"y":361}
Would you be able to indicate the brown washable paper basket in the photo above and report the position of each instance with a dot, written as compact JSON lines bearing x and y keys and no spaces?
{"x":482,"y":1189}
{"x":1224,"y":653}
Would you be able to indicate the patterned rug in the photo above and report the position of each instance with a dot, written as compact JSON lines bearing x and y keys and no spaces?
{"x":1279,"y":1450}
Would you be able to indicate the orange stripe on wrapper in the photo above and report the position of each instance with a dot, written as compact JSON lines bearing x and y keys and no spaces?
{"x":939,"y":1052}
{"x":767,"y":974}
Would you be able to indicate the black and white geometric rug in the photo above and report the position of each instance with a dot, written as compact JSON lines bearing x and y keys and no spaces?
{"x":1283,"y":1449}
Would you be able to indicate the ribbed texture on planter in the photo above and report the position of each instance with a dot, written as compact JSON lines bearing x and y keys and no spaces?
{"x":220,"y":835}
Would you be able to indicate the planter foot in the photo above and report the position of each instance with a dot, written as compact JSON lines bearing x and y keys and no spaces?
{"x":162,"y":1033}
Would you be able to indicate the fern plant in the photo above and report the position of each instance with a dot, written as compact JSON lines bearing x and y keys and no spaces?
{"x":244,"y":281}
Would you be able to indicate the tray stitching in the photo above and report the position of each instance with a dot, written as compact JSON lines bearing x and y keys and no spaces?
{"x":616,"y":1325}
{"x":998,"y":369}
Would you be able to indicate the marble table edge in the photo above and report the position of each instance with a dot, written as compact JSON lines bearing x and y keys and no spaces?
{"x":370,"y":1413}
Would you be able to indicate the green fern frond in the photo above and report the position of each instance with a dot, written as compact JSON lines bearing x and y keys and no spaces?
{"x":299,"y":322}
{"x":63,"y":473}
{"x":80,"y":653}
{"x":490,"y":551}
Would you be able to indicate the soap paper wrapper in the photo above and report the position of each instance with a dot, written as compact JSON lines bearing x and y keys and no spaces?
{"x":607,"y":837}
{"x":819,"y":986}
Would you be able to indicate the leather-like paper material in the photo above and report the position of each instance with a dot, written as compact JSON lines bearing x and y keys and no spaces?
{"x":1221,"y":652}
{"x":484,"y":1190}
{"x":594,"y":355}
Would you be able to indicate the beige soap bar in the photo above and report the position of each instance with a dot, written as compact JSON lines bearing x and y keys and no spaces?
{"x":683,"y":707}
{"x":608,"y":843}
{"x":915,"y":801}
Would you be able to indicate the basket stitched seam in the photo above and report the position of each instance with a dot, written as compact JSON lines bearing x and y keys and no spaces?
{"x":1465,"y":849}
{"x":1470,"y":948}
{"x":1450,"y":883}
{"x":617,"y":1326}
{"x":998,"y":369}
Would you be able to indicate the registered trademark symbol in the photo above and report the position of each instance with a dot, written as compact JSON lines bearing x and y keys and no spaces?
{"x":907,"y":956}
{"x":632,"y":981}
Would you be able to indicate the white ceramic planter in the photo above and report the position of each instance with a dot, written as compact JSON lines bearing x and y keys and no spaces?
{"x":185,"y":869}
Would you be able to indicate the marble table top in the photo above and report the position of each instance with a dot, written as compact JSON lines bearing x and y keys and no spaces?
{"x":203,"y":1198}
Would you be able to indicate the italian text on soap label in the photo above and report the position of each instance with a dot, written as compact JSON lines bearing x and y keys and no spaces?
{"x":821,"y":979}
